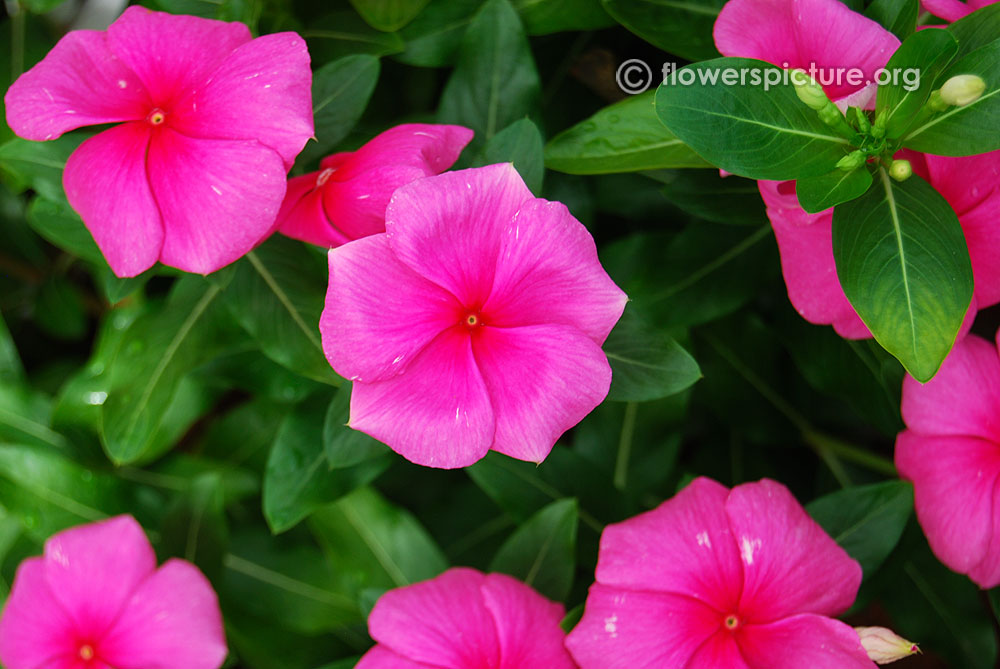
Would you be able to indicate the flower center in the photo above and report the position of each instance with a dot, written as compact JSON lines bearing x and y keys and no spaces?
{"x":325,"y":175}
{"x":156,"y":117}
{"x":732,"y":622}
{"x":473,"y":321}
{"x":86,"y":652}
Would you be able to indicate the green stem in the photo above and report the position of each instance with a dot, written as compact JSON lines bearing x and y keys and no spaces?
{"x":625,"y":444}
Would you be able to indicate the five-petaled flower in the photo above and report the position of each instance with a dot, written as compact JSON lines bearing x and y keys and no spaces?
{"x":720,"y":579}
{"x":210,"y":123}
{"x":474,"y":322}
{"x":97,"y":600}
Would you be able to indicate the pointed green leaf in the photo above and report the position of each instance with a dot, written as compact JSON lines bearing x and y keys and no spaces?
{"x":346,"y":447}
{"x":821,"y":192}
{"x":541,"y":552}
{"x":928,"y":53}
{"x":680,"y":27}
{"x":897,"y":16}
{"x":646,"y":364}
{"x":341,"y":91}
{"x":519,"y":143}
{"x":388,"y":15}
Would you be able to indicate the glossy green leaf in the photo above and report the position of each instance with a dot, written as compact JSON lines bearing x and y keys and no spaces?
{"x":904,"y":265}
{"x":56,"y":221}
{"x":519,"y":143}
{"x":341,"y":91}
{"x":11,"y":369}
{"x":927,"y":52}
{"x":38,"y":165}
{"x":646,"y":364}
{"x":680,"y":27}
{"x":897,"y":16}
{"x":344,"y":33}
{"x":542,"y":17}
{"x":346,"y":447}
{"x":976,"y":30}
{"x":433,"y":38}
{"x":821,"y":192}
{"x":542,"y":551}
{"x":744,"y":129}
{"x":388,"y":15}
{"x":194,"y":527}
{"x":705,"y":194}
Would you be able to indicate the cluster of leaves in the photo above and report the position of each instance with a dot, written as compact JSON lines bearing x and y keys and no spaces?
{"x":204,"y":405}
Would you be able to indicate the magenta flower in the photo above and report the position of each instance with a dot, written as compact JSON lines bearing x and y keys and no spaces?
{"x":953,"y":10}
{"x":951,"y":452}
{"x":210,"y":122}
{"x":474,"y":322}
{"x":720,"y":579}
{"x":464,"y":619}
{"x":96,"y":600}
{"x":346,"y":199}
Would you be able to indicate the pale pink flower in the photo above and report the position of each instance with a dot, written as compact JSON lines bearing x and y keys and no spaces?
{"x":210,"y":123}
{"x":720,"y":579}
{"x":346,"y":199}
{"x":474,"y":322}
{"x":953,"y":10}
{"x":96,"y":600}
{"x":464,"y":619}
{"x":951,"y":452}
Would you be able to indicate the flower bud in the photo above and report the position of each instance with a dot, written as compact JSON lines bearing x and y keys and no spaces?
{"x":935,"y":103}
{"x":884,"y":646}
{"x":852,"y":160}
{"x":963,"y":89}
{"x":901,"y":170}
{"x":808,"y":90}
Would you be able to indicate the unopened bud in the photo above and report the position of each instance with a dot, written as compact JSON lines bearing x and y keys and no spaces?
{"x":936,"y":103}
{"x":852,"y":160}
{"x":808,"y":90}
{"x":884,"y":646}
{"x":901,"y":170}
{"x":963,"y":89}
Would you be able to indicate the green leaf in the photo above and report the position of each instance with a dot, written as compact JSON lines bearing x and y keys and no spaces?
{"x":344,"y":33}
{"x":904,"y":265}
{"x":225,"y":10}
{"x":705,"y":194}
{"x":277,"y":294}
{"x":976,"y":30}
{"x":41,"y":6}
{"x":38,"y":165}
{"x":646,"y":364}
{"x":298,"y":480}
{"x":194,"y":526}
{"x":625,"y":137}
{"x":346,"y":447}
{"x":59,"y":309}
{"x":519,"y":143}
{"x":495,"y":82}
{"x":744,"y":129}
{"x":542,"y":551}
{"x":11,"y":369}
{"x":968,"y":130}
{"x":543,"y":17}
{"x":897,"y":16}
{"x":388,"y":15}
{"x":680,"y":27}
{"x":821,"y":192}
{"x":867,"y":521}
{"x":433,"y":38}
{"x":341,"y":91}
{"x":927,"y":52}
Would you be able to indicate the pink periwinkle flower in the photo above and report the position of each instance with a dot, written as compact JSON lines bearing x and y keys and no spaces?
{"x":464,"y":619}
{"x":720,"y":579}
{"x":210,"y":121}
{"x":346,"y":199}
{"x":474,"y":322}
{"x":96,"y":600}
{"x":951,"y":452}
{"x":953,"y":10}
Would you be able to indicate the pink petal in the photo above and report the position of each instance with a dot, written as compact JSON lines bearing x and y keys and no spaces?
{"x":549,"y":272}
{"x":218,"y":198}
{"x":380,"y":657}
{"x":356,"y":207}
{"x":80,"y":82}
{"x":442,"y":622}
{"x":302,"y":215}
{"x":172,"y":54}
{"x":949,"y":10}
{"x":527,"y":625}
{"x":92,"y":570}
{"x":261,"y":91}
{"x":954,"y":484}
{"x":963,"y":397}
{"x":35,"y":629}
{"x":719,"y":650}
{"x":437,"y":413}
{"x":107,"y":184}
{"x":449,"y":228}
{"x":803,"y":641}
{"x":684,"y":546}
{"x":542,"y":380}
{"x":430,"y":148}
{"x":801,"y":33}
{"x":983,"y":237}
{"x":379,"y":314}
{"x":173,"y":620}
{"x":624,"y":629}
{"x":790,"y":565}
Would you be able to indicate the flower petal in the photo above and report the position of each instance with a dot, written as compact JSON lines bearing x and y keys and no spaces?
{"x":173,"y":620}
{"x":527,"y":625}
{"x":107,"y":184}
{"x":261,"y":91}
{"x":448,"y":228}
{"x":170,"y":53}
{"x":429,"y":147}
{"x":949,"y":10}
{"x":955,"y":494}
{"x":423,"y":622}
{"x":437,"y":413}
{"x":379,"y":314}
{"x":549,"y":272}
{"x":356,"y":207}
{"x":80,"y":82}
{"x":719,"y":650}
{"x":302,"y":215}
{"x":803,"y":641}
{"x":790,"y":565}
{"x":684,"y":546}
{"x":219,"y":198}
{"x":963,"y":398}
{"x":380,"y":657}
{"x":542,"y":380}
{"x":35,"y":629}
{"x":623,"y":629}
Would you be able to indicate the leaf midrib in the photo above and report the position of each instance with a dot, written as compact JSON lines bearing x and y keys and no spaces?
{"x":890,"y":200}
{"x":777,"y":128}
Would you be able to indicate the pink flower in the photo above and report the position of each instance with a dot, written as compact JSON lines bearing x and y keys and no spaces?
{"x":953,"y":10}
{"x":96,"y":600}
{"x":346,"y":200}
{"x":464,"y":619}
{"x":210,"y":122}
{"x":951,"y":452}
{"x":474,"y":322}
{"x":720,"y":579}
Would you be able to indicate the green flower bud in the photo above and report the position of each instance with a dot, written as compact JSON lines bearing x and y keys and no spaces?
{"x":808,"y":90}
{"x":852,"y":160}
{"x":901,"y":170}
{"x":963,"y":89}
{"x":936,"y":103}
